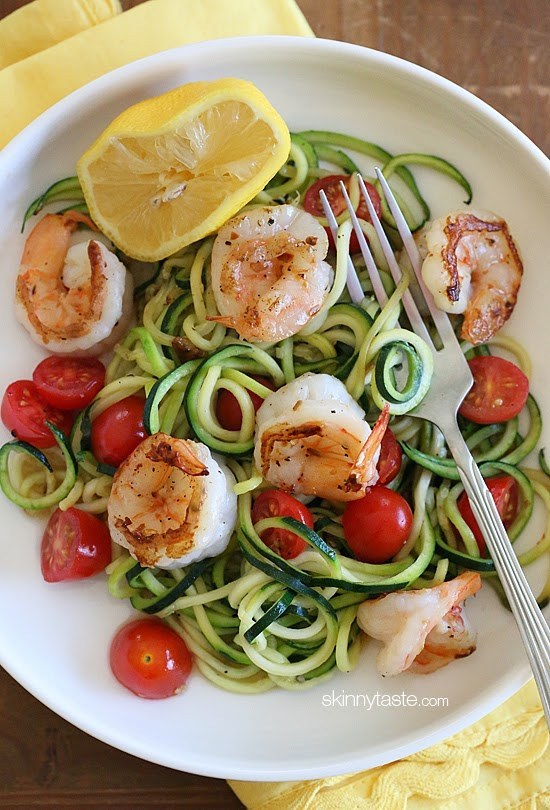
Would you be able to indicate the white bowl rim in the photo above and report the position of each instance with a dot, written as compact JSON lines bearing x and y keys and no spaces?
{"x":90,"y":89}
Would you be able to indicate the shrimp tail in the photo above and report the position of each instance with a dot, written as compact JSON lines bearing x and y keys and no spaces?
{"x":362,"y":472}
{"x":450,"y":639}
{"x":226,"y":320}
{"x":181,"y":457}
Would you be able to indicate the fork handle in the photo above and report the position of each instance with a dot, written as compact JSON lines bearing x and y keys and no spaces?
{"x":531,"y":623}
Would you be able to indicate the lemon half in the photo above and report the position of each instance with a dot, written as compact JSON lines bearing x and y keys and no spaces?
{"x":174,"y":168}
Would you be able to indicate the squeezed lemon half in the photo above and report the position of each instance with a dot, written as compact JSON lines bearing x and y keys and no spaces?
{"x":174,"y":168}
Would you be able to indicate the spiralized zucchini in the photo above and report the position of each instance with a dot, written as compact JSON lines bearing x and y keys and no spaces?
{"x":253,"y":620}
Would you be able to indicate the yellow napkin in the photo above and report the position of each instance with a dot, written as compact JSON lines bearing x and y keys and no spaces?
{"x":32,"y":84}
{"x":49,"y":48}
{"x":502,"y":761}
{"x":37,"y":26}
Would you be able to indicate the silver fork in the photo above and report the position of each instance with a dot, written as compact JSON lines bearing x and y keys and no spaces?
{"x":451,"y":382}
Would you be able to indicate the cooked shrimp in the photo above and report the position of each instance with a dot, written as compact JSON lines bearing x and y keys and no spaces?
{"x":312,"y":439}
{"x":72,"y":299}
{"x":452,"y":637}
{"x":473,"y":267}
{"x":421,"y":630}
{"x":268,"y":274}
{"x":172,"y":503}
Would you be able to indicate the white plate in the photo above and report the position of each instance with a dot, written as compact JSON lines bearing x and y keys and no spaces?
{"x":54,"y":638}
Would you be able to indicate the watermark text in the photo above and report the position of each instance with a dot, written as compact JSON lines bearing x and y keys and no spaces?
{"x":378,"y":700}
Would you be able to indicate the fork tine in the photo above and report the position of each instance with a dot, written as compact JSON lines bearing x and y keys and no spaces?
{"x":377,"y":286}
{"x":408,"y":301}
{"x":352,"y":280}
{"x":440,"y":319}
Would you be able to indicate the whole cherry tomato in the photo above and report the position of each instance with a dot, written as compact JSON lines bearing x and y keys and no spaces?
{"x":378,"y":525}
{"x":150,"y":659}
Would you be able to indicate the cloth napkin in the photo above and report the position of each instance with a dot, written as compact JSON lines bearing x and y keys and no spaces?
{"x":99,"y":39}
{"x":49,"y":48}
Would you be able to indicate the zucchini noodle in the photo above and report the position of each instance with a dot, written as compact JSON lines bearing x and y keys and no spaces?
{"x":253,"y":620}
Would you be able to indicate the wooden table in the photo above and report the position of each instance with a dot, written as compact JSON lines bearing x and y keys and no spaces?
{"x":498,"y":49}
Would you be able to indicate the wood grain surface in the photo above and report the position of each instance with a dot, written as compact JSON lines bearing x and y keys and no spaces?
{"x":499,"y":50}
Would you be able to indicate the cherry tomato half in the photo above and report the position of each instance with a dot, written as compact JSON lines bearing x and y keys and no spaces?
{"x":228,"y":410}
{"x":69,"y":383}
{"x":377,"y":526}
{"x":274,"y":503}
{"x":499,"y":391}
{"x":150,"y":659}
{"x":118,"y":430}
{"x":24,"y":413}
{"x":390,"y":459}
{"x":75,"y":545}
{"x":504,"y":490}
{"x":331,"y":186}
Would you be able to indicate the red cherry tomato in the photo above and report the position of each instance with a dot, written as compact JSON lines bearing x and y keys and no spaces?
{"x":274,"y":503}
{"x":118,"y":430}
{"x":228,"y":410}
{"x":24,"y":413}
{"x":504,"y":490}
{"x":331,"y":186}
{"x":75,"y":545}
{"x":389,"y":461}
{"x":377,"y":526}
{"x":150,"y":659}
{"x":69,"y":383}
{"x":499,"y":391}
